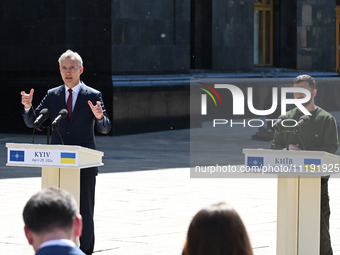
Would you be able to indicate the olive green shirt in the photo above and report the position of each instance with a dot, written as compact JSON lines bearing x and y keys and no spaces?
{"x":318,"y":134}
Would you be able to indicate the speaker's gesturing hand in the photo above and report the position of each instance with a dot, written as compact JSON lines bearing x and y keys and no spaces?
{"x":26,"y":99}
{"x":97,"y":110}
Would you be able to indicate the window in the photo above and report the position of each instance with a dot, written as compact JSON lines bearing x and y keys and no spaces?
{"x":337,"y":45}
{"x":263,"y":32}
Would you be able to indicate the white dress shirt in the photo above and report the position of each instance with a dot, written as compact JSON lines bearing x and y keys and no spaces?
{"x":75,"y":92}
{"x":59,"y":242}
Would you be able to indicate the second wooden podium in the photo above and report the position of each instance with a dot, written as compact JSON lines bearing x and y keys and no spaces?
{"x":298,"y":199}
{"x":60,"y":164}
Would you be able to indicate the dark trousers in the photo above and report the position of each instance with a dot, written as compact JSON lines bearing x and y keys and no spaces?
{"x":325,"y":238}
{"x":87,"y":195}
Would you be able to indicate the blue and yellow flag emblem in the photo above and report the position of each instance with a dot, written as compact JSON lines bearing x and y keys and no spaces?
{"x":312,"y":165}
{"x":67,"y":158}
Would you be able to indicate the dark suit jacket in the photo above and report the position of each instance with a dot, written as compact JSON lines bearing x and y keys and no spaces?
{"x":79,"y":130}
{"x":59,"y":250}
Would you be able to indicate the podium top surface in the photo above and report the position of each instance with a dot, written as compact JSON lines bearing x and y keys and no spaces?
{"x":292,"y":162}
{"x":300,"y":153}
{"x":48,"y":155}
{"x":52,"y":147}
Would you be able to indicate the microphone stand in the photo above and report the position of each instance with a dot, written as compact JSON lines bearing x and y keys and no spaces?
{"x":48,"y":134}
{"x":296,"y":131}
{"x":33,"y":135}
{"x":287,"y":143}
{"x":40,"y":128}
{"x":56,"y":128}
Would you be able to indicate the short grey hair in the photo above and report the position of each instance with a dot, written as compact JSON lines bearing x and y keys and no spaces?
{"x":307,"y":78}
{"x":70,"y":54}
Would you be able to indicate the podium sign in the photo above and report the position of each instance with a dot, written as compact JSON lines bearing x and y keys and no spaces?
{"x":315,"y":163}
{"x":42,"y":157}
{"x":298,"y":199}
{"x":60,"y":164}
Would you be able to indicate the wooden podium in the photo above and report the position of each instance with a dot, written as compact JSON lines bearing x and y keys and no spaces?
{"x":298,"y":203}
{"x":61,"y":164}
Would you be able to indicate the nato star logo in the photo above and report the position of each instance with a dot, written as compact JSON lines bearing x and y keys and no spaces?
{"x":18,"y":156}
{"x":255,"y":162}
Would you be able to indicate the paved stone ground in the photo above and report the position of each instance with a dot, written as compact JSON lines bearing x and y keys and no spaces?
{"x":145,"y":197}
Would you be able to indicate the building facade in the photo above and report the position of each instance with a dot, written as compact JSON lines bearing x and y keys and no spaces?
{"x":142,"y":54}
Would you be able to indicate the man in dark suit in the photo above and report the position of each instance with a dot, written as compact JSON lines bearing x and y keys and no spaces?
{"x":85,"y":112}
{"x":52,"y":224}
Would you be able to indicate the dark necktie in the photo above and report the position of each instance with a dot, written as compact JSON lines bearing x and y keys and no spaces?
{"x":69,"y":103}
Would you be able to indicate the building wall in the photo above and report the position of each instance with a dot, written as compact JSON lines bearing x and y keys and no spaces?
{"x":285,"y":33}
{"x":201,"y":34}
{"x":232,"y":35}
{"x":150,"y":36}
{"x":153,"y":103}
{"x":315,"y":35}
{"x":132,"y":36}
{"x":34,"y":35}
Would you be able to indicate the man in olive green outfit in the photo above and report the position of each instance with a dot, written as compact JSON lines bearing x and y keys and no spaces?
{"x":319,"y":134}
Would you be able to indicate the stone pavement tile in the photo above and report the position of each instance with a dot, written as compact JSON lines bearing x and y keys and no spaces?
{"x":334,"y":192}
{"x":157,"y":217}
{"x":148,"y":212}
{"x":14,"y":193}
{"x":158,"y":206}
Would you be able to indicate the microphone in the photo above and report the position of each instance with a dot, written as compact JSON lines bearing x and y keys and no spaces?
{"x":43,"y":116}
{"x":278,"y":122}
{"x":303,"y":119}
{"x":62,"y":114}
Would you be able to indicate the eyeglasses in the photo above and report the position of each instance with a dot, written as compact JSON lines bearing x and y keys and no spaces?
{"x":72,"y":69}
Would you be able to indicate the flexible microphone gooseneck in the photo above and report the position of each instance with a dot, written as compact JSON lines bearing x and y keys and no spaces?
{"x":43,"y":116}
{"x":55,"y":124}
